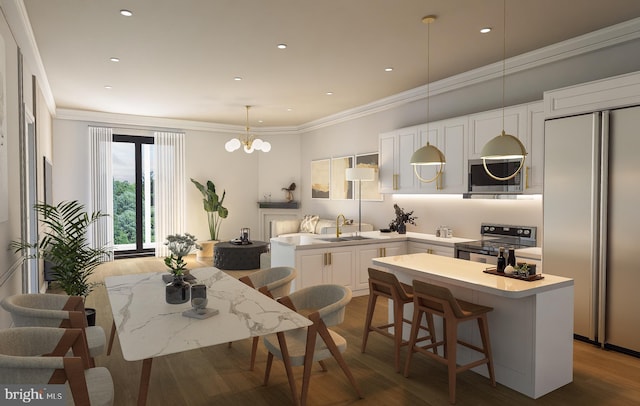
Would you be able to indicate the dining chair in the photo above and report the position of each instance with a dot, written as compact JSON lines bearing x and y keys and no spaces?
{"x":53,"y":310}
{"x":438,"y":300}
{"x":40,"y":355}
{"x":325,"y":306}
{"x":273,"y":282}
{"x":386,"y":285}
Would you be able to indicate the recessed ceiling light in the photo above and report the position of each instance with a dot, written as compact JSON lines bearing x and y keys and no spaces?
{"x":289,"y":109}
{"x":329,"y":93}
{"x":282,"y":46}
{"x":108,"y":87}
{"x":237,"y":78}
{"x":389,"y":69}
{"x":126,"y":13}
{"x":485,"y":30}
{"x":114,"y":59}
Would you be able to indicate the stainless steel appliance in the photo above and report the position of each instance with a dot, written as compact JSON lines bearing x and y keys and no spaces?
{"x":591,"y":221}
{"x":495,"y":236}
{"x":481,"y":183}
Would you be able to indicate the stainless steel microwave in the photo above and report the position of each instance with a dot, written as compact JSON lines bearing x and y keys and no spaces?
{"x":481,"y":183}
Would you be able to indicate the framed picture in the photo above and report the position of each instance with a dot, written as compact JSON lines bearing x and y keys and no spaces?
{"x":341,"y":188}
{"x":320,"y":178}
{"x":370,"y":190}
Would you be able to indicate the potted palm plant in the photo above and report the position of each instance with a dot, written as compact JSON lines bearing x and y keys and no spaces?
{"x":212,"y":204}
{"x":65,"y":246}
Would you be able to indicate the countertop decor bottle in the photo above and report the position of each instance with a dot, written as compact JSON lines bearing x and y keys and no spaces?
{"x":502,"y":262}
{"x":511,"y":259}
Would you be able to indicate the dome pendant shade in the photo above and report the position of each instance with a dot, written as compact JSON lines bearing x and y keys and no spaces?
{"x":504,"y":146}
{"x":427,"y":155}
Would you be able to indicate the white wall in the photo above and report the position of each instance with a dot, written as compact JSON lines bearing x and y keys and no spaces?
{"x":244,"y":177}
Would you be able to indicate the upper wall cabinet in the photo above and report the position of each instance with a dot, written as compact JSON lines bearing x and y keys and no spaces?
{"x":535,"y":148}
{"x":460,"y":139}
{"x":396,"y":147}
{"x":486,"y":125}
{"x":449,"y":136}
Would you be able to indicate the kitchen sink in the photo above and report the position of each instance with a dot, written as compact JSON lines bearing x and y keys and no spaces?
{"x":340,"y":239}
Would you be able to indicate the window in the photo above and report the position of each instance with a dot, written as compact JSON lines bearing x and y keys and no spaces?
{"x":133,"y":202}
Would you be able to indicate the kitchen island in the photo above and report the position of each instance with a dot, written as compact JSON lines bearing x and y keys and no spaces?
{"x":531,"y":326}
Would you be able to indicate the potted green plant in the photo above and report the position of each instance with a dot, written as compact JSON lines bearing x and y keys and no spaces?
{"x":65,"y":246}
{"x":212,"y":204}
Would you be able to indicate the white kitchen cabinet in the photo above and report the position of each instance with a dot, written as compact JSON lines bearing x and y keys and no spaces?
{"x":318,"y":266}
{"x":396,"y":148}
{"x":488,"y":124}
{"x":364,"y":255}
{"x":449,"y":137}
{"x":535,"y":148}
{"x":414,"y":247}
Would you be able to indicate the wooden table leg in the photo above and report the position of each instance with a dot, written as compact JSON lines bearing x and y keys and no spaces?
{"x":112,"y":335}
{"x":144,"y":382}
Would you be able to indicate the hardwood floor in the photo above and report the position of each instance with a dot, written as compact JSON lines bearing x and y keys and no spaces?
{"x":219,"y":375}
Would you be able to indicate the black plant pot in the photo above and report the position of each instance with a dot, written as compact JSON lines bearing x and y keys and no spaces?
{"x":402,"y":228}
{"x":91,"y":316}
{"x":178,"y":291}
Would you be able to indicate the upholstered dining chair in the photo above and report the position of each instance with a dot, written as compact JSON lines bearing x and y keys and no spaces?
{"x":325,"y":306}
{"x":273,"y":282}
{"x":40,"y":355}
{"x":52,"y":310}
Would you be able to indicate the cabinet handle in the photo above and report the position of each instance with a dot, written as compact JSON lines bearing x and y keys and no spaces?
{"x":526,"y":177}
{"x":395,"y":181}
{"x":327,"y":258}
{"x":382,"y":252}
{"x":429,"y":251}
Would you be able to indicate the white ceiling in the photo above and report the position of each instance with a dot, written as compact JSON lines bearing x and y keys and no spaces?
{"x":178,"y":59}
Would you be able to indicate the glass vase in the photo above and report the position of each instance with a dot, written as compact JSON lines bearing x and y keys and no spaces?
{"x":178,"y":291}
{"x":402,"y":228}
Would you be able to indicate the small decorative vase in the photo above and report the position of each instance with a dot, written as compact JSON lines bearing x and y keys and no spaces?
{"x":402,"y":228}
{"x":178,"y":291}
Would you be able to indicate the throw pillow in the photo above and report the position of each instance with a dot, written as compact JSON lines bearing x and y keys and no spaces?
{"x":308,"y":223}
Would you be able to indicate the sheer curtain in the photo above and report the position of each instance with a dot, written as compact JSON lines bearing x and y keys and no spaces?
{"x":169,"y":188}
{"x":102,"y":186}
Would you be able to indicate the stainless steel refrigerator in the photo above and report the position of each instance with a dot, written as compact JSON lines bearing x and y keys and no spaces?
{"x":591,"y":221}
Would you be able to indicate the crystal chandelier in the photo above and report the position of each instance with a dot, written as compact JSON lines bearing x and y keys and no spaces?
{"x":250,"y":142}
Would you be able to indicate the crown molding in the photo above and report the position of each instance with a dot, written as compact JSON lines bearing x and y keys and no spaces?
{"x":603,"y":38}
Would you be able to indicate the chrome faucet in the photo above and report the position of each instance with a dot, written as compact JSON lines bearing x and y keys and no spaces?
{"x":338,"y":224}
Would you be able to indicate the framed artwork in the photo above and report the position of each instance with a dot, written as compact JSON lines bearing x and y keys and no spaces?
{"x":320,"y":178}
{"x":370,"y":190}
{"x":341,"y":188}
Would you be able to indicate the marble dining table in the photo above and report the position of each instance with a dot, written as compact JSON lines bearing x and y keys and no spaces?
{"x":148,"y":327}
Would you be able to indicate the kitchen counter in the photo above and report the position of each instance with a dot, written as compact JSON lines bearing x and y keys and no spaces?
{"x":313,"y":241}
{"x":531,"y":326}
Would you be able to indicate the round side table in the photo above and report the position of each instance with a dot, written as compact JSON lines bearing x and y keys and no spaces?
{"x":229,"y":256}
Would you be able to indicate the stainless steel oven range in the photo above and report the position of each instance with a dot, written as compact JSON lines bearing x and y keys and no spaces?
{"x":495,"y":236}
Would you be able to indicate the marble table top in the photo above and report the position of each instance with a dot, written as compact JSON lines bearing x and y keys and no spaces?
{"x":149,"y":327}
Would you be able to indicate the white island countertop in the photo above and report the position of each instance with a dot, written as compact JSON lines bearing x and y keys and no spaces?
{"x":470,"y":274}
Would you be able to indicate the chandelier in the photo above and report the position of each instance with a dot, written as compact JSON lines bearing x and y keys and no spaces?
{"x":250,"y":142}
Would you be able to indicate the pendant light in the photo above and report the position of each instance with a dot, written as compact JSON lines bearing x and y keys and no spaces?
{"x":429,"y":154}
{"x":503,"y":146}
{"x":250,"y":142}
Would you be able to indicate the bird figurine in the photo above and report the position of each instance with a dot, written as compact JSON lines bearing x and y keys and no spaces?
{"x":289,"y":190}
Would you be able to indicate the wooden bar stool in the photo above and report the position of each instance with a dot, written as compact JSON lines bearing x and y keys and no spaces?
{"x":386,"y":285}
{"x":438,"y":300}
